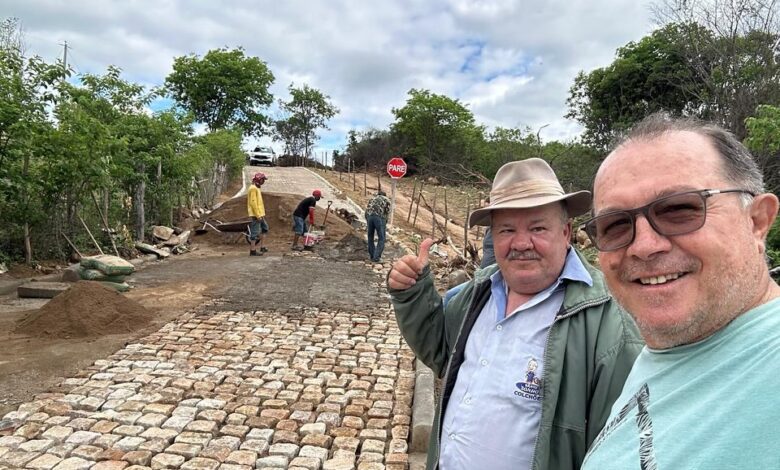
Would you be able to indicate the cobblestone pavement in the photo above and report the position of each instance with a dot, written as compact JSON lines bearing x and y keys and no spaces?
{"x":232,"y":390}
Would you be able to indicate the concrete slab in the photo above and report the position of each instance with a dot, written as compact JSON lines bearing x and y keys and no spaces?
{"x":42,"y":290}
{"x":422,"y":408}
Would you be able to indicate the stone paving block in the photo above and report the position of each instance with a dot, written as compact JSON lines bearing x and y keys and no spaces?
{"x":129,"y":443}
{"x":36,"y":445}
{"x":371,"y":457}
{"x":349,"y":444}
{"x":62,"y":450}
{"x":242,"y":457}
{"x":111,"y":454}
{"x":272,"y":461}
{"x":110,"y":465}
{"x":339,"y":464}
{"x":57,"y":433}
{"x":200,"y":463}
{"x":308,"y":463}
{"x":287,"y":450}
{"x":74,"y":463}
{"x":317,"y":440}
{"x":319,"y":453}
{"x":82,"y":437}
{"x":166,"y":460}
{"x":177,"y":423}
{"x":230,"y":466}
{"x":151,"y":420}
{"x":260,"y":447}
{"x":187,"y":450}
{"x":370,"y":466}
{"x":262,"y":434}
{"x":138,"y":457}
{"x":44,"y":462}
{"x":234,"y":430}
{"x":18,"y":458}
{"x":106,"y":440}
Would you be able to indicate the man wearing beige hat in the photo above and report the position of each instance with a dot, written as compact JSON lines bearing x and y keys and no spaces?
{"x":533,"y":350}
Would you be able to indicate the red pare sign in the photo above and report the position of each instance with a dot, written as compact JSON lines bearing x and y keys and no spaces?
{"x":396,"y":167}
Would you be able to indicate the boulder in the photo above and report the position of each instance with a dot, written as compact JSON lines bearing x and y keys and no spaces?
{"x":161,"y":232}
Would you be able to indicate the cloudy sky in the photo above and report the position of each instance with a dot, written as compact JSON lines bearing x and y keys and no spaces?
{"x":510,"y":62}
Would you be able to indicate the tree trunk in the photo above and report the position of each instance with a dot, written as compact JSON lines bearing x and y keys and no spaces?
{"x":138,"y":202}
{"x":26,"y":201}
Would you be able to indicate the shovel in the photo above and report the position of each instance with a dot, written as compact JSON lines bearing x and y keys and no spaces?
{"x":327,"y":211}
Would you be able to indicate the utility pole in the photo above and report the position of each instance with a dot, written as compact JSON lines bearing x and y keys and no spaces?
{"x":65,"y":55}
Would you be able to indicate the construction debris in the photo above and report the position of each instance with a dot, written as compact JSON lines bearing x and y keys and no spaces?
{"x":41,"y":290}
{"x":147,"y":248}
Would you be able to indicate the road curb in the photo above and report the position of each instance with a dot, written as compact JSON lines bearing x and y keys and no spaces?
{"x":422,"y":407}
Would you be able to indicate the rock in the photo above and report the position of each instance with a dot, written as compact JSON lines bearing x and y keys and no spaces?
{"x":41,"y":290}
{"x":161,"y":232}
{"x":146,"y":248}
{"x":456,"y":278}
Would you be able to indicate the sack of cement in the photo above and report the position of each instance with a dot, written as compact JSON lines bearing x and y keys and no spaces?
{"x":96,"y":275}
{"x":108,"y":265}
{"x":119,"y":286}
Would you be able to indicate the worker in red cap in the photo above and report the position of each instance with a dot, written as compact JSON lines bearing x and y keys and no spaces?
{"x":256,"y":209}
{"x":305,"y":209}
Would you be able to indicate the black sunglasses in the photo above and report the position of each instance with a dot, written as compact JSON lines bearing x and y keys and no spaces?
{"x":676,"y":214}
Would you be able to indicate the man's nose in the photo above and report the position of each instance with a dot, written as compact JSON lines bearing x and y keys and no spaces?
{"x":647,"y":241}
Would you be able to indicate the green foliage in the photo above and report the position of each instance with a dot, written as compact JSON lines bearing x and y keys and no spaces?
{"x":308,"y":110}
{"x":763,"y":140}
{"x":647,"y":76}
{"x":224,"y":89}
{"x":435,"y":130}
{"x":773,"y":244}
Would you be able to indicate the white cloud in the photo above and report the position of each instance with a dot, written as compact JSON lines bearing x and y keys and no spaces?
{"x":511,"y":62}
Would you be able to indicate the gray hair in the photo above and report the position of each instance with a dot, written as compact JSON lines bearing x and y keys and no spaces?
{"x":738,"y":165}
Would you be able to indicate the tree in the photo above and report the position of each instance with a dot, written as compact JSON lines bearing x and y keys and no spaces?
{"x":223,"y":89}
{"x":369,"y":148}
{"x":763,"y":140}
{"x":435,"y":130}
{"x":647,"y":76}
{"x":28,"y":86}
{"x":734,"y":54}
{"x":308,"y":110}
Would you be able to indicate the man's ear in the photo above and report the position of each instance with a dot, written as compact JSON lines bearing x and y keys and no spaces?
{"x":763,"y":212}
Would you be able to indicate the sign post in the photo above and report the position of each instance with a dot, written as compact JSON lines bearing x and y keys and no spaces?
{"x":396,"y":168}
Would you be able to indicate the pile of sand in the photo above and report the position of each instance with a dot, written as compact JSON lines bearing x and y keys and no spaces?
{"x":87,"y":309}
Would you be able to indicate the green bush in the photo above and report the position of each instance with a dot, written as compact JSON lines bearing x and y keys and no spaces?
{"x":773,"y":244}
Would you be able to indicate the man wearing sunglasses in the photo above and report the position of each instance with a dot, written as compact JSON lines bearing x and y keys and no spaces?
{"x":534,"y":350}
{"x":680,"y":222}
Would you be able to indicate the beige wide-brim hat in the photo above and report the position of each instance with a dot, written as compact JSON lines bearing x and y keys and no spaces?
{"x":525,"y":184}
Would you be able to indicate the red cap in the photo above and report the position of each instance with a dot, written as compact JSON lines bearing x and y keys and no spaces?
{"x":259,"y":177}
{"x":316,"y":193}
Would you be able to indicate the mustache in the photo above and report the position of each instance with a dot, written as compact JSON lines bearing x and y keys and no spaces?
{"x":524,"y":255}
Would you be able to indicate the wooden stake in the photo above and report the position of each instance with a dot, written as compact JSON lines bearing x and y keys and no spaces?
{"x":72,"y":245}
{"x":105,"y":223}
{"x":466,"y":227}
{"x":433,"y":214}
{"x":365,"y":179}
{"x":419,"y":195}
{"x":446,"y":212}
{"x":411,"y":203}
{"x":90,"y":235}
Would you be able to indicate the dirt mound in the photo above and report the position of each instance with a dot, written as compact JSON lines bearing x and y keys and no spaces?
{"x":87,"y":309}
{"x":278,"y":209}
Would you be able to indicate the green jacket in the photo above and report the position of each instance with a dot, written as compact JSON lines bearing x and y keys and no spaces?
{"x":592,"y":344}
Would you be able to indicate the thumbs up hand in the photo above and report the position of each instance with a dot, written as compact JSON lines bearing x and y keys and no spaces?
{"x":408,"y":268}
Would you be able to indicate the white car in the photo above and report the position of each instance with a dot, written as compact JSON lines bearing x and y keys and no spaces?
{"x":262,"y":156}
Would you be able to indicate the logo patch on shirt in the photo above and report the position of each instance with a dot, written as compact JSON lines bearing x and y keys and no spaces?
{"x":532,"y":385}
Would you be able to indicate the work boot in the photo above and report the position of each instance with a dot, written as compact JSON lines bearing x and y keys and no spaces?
{"x":255,"y":253}
{"x":264,"y":249}
{"x":297,"y":248}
